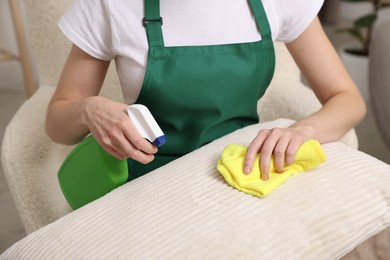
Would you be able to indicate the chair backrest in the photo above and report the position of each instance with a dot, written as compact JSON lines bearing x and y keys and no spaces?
{"x":50,"y":47}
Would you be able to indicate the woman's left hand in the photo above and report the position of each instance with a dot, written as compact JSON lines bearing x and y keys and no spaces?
{"x":343,"y":107}
{"x":282,"y":143}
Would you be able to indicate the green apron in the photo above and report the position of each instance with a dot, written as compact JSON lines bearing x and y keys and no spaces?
{"x":200,"y":93}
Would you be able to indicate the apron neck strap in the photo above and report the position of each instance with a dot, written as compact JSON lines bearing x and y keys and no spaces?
{"x":261,"y":18}
{"x":153,"y":22}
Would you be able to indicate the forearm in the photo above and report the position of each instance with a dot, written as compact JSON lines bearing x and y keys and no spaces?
{"x":337,"y":116}
{"x":77,"y":90}
{"x":66,"y":121}
{"x":343,"y":107}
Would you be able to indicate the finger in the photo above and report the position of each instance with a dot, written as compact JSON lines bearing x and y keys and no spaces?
{"x":140,"y":143}
{"x":253,"y":150}
{"x":131,"y":151}
{"x":133,"y":154}
{"x":115,"y":153}
{"x":266,"y":152}
{"x":280,"y":152}
{"x":106,"y":143}
{"x":292,"y":150}
{"x":115,"y":142}
{"x":140,"y":156}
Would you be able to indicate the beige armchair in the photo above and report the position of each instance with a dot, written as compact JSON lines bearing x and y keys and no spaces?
{"x":31,"y":159}
{"x":323,"y":214}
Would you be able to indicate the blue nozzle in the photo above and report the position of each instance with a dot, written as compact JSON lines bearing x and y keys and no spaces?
{"x":160,"y":141}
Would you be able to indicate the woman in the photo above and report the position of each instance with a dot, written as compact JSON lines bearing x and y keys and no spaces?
{"x":200,"y":66}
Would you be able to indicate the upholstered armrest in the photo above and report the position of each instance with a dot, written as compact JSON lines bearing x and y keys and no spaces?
{"x":186,"y":209}
{"x":30,"y":161}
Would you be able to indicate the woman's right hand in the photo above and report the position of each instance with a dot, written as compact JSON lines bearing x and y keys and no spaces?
{"x":76,"y":109}
{"x":112,"y":128}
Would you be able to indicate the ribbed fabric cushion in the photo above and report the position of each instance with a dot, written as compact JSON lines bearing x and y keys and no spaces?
{"x":185,"y":210}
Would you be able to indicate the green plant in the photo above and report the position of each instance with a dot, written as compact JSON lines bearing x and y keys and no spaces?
{"x":362,"y":27}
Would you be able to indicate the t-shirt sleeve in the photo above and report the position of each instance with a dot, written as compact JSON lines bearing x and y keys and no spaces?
{"x":87,"y":24}
{"x":294,"y":17}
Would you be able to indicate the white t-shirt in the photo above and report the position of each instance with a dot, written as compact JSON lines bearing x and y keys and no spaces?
{"x":112,"y":29}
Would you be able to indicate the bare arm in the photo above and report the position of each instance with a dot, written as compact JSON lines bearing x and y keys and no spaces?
{"x":82,"y":77}
{"x":343,"y":107}
{"x":76,"y":110}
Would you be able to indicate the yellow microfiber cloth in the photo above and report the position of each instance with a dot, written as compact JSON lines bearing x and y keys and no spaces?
{"x":231,"y":164}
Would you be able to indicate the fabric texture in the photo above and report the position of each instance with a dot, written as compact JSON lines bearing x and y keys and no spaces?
{"x":321,"y":214}
{"x":113,"y":29}
{"x":29,"y":158}
{"x":347,"y":204}
{"x":231,"y":165}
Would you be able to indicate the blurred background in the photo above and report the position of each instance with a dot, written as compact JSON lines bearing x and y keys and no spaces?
{"x":347,"y":24}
